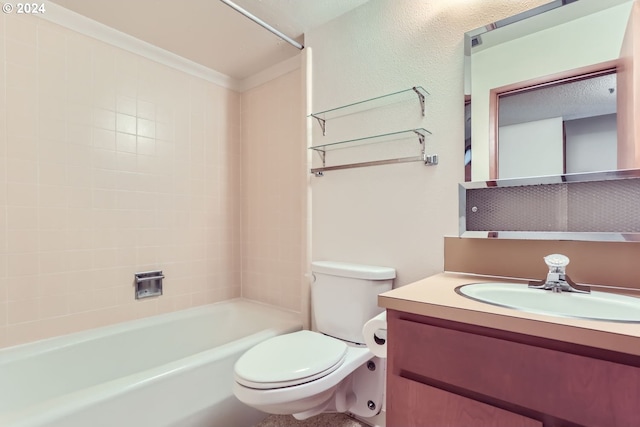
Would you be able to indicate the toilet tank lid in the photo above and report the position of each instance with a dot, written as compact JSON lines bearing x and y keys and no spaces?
{"x":355,"y":271}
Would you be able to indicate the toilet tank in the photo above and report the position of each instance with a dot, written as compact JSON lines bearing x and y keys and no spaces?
{"x":344,"y":296}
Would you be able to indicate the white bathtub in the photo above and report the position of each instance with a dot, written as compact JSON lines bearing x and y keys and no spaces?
{"x":170,"y":370}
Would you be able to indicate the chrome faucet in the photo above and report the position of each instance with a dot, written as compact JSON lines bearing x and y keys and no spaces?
{"x":557,"y":279}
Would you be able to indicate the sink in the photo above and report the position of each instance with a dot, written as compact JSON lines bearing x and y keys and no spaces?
{"x":594,"y":306}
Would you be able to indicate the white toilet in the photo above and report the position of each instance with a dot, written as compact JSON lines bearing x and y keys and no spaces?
{"x":305,"y":373}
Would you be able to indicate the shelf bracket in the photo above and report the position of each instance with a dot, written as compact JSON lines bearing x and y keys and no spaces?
{"x":323,"y":124}
{"x":430,"y":159}
{"x":323,"y":156}
{"x":420,"y":98}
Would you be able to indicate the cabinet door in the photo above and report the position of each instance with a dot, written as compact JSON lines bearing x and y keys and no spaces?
{"x":413,"y":404}
{"x":577,"y":389}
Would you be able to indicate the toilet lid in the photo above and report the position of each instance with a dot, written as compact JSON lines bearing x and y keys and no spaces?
{"x":290,"y":359}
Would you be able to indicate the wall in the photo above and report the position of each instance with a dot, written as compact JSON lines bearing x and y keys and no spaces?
{"x":532,"y":148}
{"x":70,"y":241}
{"x":609,"y":264}
{"x":394,"y":215}
{"x":109,"y":164}
{"x":274,"y":192}
{"x":592,"y":144}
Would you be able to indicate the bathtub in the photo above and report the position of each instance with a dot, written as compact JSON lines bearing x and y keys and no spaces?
{"x":171,"y":370}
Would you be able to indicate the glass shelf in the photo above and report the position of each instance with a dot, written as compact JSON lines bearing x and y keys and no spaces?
{"x":378,"y":101}
{"x":391,"y":136}
{"x":419,"y":133}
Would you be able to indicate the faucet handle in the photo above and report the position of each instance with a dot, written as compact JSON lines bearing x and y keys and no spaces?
{"x":556,"y":264}
{"x":557,"y":279}
{"x":557,"y":261}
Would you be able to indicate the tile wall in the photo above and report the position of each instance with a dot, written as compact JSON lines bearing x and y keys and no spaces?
{"x":110,"y":164}
{"x":274,"y":187}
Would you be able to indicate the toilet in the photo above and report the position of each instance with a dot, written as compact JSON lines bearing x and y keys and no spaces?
{"x":306,"y":373}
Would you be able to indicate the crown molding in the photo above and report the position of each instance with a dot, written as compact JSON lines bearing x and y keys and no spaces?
{"x":272,"y":73}
{"x":86,"y":26}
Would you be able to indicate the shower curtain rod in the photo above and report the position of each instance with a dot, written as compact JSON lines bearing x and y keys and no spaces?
{"x":263,"y":24}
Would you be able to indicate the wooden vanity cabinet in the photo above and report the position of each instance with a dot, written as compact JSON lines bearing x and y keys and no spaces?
{"x":449,"y":374}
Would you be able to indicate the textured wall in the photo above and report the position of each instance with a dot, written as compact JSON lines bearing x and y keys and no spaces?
{"x":394,"y":215}
{"x":109,"y":164}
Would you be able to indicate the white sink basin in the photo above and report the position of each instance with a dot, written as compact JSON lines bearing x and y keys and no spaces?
{"x":596,"y":305}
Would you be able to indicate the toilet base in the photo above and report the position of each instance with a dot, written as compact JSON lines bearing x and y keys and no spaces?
{"x":360,"y":392}
{"x":368,"y":386}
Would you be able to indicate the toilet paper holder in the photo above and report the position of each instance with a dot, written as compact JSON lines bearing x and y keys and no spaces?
{"x":148,"y":284}
{"x":380,"y":336}
{"x":374,"y":332}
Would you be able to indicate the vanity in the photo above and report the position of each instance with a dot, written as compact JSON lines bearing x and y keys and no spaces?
{"x":454,"y":361}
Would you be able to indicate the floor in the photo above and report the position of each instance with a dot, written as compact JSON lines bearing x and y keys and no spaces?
{"x":322,"y":420}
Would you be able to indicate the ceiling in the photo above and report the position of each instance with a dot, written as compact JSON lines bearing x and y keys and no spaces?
{"x":213,"y":34}
{"x":579,"y":99}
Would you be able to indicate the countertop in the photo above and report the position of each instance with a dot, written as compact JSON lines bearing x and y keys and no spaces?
{"x":435,"y":297}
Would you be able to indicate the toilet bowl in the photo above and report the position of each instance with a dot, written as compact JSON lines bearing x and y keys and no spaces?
{"x":317,"y":374}
{"x":305,"y":373}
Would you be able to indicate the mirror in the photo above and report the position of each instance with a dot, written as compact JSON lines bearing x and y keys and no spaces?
{"x":563,"y":47}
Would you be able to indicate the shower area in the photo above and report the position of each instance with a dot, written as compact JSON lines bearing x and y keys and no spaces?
{"x":119,"y":157}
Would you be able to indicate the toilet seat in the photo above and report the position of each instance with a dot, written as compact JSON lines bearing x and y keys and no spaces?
{"x":288,"y":360}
